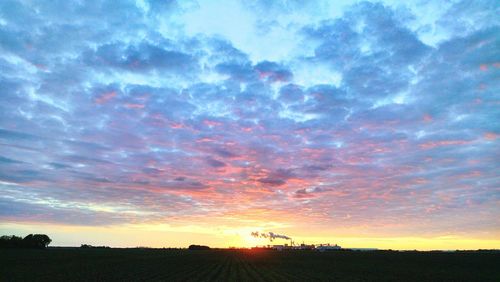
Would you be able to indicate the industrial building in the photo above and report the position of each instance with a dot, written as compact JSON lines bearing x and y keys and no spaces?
{"x":312,"y":247}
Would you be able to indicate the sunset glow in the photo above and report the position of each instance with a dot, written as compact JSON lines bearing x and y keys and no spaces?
{"x":169,"y":123}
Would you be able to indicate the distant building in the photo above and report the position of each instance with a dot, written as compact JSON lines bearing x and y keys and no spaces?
{"x":320,"y":247}
{"x":305,"y":247}
{"x":327,"y":247}
{"x":279,"y":247}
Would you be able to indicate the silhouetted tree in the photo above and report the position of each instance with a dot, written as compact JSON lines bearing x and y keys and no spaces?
{"x":11,"y":241}
{"x":198,"y":247}
{"x":38,"y":241}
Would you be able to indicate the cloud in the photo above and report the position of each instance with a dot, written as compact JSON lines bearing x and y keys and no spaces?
{"x":272,"y":181}
{"x":4,"y":160}
{"x":13,"y":135}
{"x":143,"y":57}
{"x":215,"y":163}
{"x":273,"y":72}
{"x":373,"y":115}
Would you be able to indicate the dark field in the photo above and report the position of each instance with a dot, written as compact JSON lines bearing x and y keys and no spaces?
{"x":235,"y":265}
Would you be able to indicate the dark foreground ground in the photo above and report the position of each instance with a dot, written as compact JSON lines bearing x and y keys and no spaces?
{"x":234,"y":265}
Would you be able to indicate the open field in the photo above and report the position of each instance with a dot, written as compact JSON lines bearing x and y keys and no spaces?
{"x":58,"y":264}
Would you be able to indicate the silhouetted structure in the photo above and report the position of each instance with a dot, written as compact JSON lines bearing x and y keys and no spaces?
{"x":36,"y":241}
{"x":198,"y":247}
{"x":86,"y":246}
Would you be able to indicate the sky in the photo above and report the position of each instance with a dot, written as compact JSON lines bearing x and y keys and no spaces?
{"x":169,"y":123}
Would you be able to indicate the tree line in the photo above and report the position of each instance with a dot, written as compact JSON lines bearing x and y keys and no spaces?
{"x":31,"y":241}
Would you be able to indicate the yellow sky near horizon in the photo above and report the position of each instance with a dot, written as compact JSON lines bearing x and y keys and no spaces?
{"x":162,"y":235}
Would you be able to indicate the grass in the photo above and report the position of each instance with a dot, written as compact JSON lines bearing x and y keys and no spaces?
{"x":73,"y":264}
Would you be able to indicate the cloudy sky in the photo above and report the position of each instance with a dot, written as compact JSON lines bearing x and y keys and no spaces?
{"x":164,"y":123}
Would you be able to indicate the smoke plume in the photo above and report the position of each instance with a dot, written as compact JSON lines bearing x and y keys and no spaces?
{"x":270,"y":235}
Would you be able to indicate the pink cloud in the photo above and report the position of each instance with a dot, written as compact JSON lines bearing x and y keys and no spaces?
{"x":134,"y":106}
{"x":490,"y":136}
{"x":105,"y":97}
{"x":427,"y":118}
{"x":434,"y":144}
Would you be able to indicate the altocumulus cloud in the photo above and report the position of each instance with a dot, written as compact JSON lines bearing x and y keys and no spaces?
{"x":120,"y":111}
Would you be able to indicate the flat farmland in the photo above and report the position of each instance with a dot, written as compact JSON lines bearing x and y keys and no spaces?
{"x":74,"y":264}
